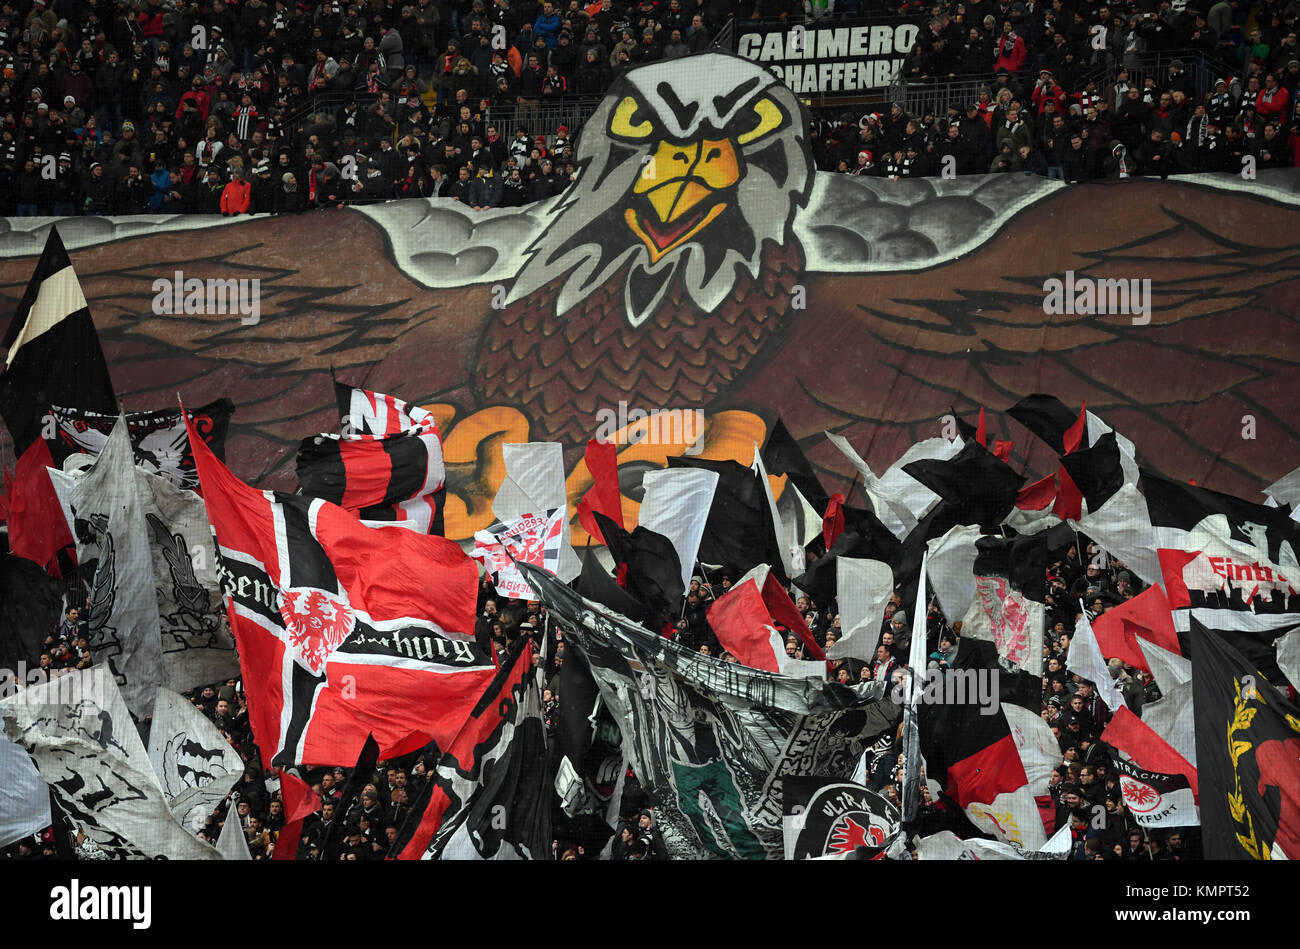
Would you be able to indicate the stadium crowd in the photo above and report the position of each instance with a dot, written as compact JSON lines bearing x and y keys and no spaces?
{"x":163,"y":106}
{"x":1084,"y":791}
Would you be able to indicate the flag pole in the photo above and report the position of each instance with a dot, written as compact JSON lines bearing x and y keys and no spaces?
{"x":848,"y":497}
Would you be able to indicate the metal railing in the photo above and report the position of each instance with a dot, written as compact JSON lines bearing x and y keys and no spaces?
{"x":726,"y":38}
{"x":545,"y":116}
{"x":918,"y":97}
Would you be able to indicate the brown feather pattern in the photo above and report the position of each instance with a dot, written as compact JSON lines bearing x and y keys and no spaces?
{"x":562,"y":369}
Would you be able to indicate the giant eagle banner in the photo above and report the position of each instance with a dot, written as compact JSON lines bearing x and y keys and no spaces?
{"x":712,"y":741}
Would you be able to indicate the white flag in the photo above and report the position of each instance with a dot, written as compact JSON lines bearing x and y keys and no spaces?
{"x":891,"y":511}
{"x":1123,"y":527}
{"x":1085,"y":658}
{"x":197,"y":648}
{"x":79,"y":732}
{"x":1288,"y":657}
{"x":195,"y":765}
{"x":231,"y":843}
{"x":945,"y":845}
{"x":1039,"y":751}
{"x":537,"y":471}
{"x":863,"y":588}
{"x":676,"y":505}
{"x":1171,"y":717}
{"x":530,"y":538}
{"x":952,"y":569}
{"x":911,"y":493}
{"x":110,"y":527}
{"x":24,"y":802}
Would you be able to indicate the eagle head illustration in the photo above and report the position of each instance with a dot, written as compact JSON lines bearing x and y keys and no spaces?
{"x":669,"y":261}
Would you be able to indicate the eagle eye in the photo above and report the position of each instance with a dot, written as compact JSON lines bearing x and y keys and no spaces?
{"x":768,"y":118}
{"x":622,"y":124}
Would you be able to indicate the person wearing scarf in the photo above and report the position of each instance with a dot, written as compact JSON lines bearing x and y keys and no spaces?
{"x":1273,"y":101}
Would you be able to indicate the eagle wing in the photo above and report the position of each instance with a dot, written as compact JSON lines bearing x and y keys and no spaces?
{"x":882,"y":358}
{"x":340,"y":303}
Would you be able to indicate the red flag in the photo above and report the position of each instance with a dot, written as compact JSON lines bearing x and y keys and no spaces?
{"x":1146,"y":616}
{"x":299,"y":803}
{"x":744,"y":619}
{"x":37,"y":528}
{"x":481,"y":730}
{"x":1002,"y":450}
{"x":744,"y":627}
{"x":604,"y":495}
{"x":1073,"y":436}
{"x":342,"y":629}
{"x":981,"y":432}
{"x":833,"y":519}
{"x":1069,"y":499}
{"x":1144,"y":745}
{"x":1036,"y":496}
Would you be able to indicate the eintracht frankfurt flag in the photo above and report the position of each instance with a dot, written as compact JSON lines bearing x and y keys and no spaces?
{"x":531,"y":538}
{"x":158,"y":439}
{"x":1156,"y":799}
{"x":386,"y":466}
{"x":373,"y":414}
{"x":342,"y":629}
{"x":362,"y":412}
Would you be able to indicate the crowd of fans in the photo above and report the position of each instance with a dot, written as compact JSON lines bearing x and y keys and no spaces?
{"x":1071,"y":93}
{"x":245,"y":106}
{"x":109,"y":106}
{"x":1084,"y":790}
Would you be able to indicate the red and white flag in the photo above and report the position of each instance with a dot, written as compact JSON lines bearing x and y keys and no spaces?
{"x":530,"y":538}
{"x":745,"y":622}
{"x":342,"y":629}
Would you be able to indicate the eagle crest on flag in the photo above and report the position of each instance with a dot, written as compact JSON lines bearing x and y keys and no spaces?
{"x":317,"y":622}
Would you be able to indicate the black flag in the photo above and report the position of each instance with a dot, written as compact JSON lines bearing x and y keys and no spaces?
{"x":739,"y":532}
{"x":654,"y":573}
{"x":1248,"y":755}
{"x":54,"y":354}
{"x":29,"y":610}
{"x":782,"y":456}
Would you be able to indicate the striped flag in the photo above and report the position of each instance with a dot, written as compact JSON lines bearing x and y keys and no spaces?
{"x":53,"y":356}
{"x":386,"y":465}
{"x":489,"y":798}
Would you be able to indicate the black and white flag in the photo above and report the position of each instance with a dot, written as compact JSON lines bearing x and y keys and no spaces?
{"x":157,"y":438}
{"x":1155,"y":799}
{"x":196,"y":765}
{"x":710,"y":741}
{"x":825,"y":818}
{"x":79,"y":732}
{"x":197,"y":647}
{"x":107,"y":518}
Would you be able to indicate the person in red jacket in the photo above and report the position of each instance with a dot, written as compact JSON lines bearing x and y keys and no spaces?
{"x":237,"y":195}
{"x":1273,"y":101}
{"x":1046,"y":90}
{"x":1009,"y":51}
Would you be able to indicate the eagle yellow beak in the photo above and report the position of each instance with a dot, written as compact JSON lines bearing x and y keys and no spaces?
{"x":677,"y":180}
